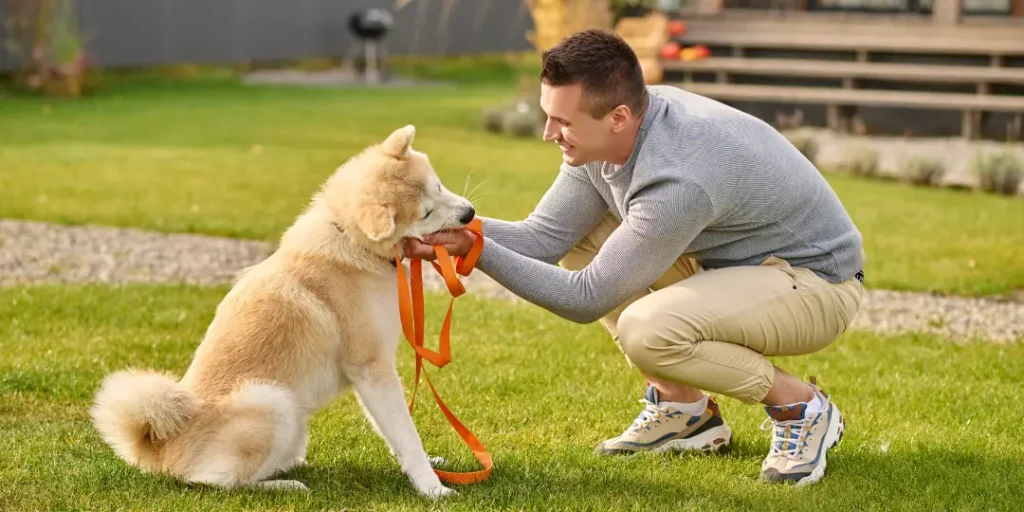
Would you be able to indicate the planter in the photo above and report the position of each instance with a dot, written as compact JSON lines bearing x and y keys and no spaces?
{"x":63,"y":86}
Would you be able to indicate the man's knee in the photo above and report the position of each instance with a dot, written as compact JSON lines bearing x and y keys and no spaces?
{"x":652,"y":337}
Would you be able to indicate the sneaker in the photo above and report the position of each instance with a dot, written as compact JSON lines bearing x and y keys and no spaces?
{"x":798,"y":447}
{"x":661,"y":429}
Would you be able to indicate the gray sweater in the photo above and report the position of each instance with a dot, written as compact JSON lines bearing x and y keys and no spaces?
{"x":704,"y":180}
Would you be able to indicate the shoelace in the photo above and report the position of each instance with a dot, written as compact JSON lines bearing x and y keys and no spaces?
{"x":651,"y":414}
{"x":783,"y":442}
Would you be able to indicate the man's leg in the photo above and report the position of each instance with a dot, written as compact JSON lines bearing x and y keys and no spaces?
{"x":677,"y":416}
{"x":713,"y":330}
{"x":585,"y":251}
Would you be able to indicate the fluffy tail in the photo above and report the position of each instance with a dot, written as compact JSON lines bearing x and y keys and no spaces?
{"x":136,"y":408}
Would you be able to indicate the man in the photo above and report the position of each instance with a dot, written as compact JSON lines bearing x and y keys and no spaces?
{"x":700,"y":238}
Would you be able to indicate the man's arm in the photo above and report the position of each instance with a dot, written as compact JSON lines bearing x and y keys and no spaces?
{"x":566,"y":213}
{"x":661,"y":223}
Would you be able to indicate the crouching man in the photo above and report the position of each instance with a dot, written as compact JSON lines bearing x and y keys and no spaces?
{"x":700,"y":238}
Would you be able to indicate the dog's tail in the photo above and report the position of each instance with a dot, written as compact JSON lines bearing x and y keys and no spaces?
{"x":135,"y":409}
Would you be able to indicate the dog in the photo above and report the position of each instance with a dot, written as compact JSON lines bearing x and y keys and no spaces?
{"x":317,"y":317}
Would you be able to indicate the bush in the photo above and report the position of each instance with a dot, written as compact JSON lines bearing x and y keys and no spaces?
{"x":923,"y":171}
{"x":518,"y":123}
{"x":861,"y":161}
{"x":492,"y":119}
{"x":806,"y":144}
{"x":999,"y":172}
{"x":521,"y":118}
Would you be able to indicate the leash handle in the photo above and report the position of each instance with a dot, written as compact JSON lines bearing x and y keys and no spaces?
{"x":410,"y":307}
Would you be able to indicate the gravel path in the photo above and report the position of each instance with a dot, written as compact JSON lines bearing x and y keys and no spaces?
{"x":37,"y":252}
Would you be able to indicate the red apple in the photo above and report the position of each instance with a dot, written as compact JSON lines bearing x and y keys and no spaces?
{"x":676,"y":28}
{"x":671,"y":51}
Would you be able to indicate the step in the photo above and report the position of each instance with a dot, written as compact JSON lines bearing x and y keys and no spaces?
{"x":863,"y":97}
{"x":844,"y":69}
{"x":880,"y":43}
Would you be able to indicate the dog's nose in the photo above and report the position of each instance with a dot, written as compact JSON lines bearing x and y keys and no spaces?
{"x":468,"y":216}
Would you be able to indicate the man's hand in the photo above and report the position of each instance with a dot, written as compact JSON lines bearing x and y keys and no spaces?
{"x":457,"y":243}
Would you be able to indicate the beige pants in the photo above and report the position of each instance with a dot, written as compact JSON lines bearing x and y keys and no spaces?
{"x":711,"y":329}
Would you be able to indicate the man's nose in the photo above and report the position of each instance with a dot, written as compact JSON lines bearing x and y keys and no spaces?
{"x":549,"y":133}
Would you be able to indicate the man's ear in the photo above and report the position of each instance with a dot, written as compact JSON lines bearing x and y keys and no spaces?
{"x":398,"y":143}
{"x":620,"y":115}
{"x":377,"y":222}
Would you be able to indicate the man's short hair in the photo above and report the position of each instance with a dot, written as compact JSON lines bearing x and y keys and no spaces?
{"x":603,"y":64}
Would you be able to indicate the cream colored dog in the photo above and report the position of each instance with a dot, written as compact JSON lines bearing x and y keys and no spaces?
{"x":318,"y":315}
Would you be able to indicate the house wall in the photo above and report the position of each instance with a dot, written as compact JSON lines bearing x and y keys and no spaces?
{"x":154,"y":32}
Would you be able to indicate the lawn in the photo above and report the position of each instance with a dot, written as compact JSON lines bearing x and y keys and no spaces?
{"x":932,"y":423}
{"x":939,"y":430}
{"x":220,"y":158}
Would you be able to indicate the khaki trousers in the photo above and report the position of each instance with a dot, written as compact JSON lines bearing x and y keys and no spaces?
{"x":711,"y":329}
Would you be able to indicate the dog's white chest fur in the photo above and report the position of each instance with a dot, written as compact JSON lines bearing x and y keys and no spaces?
{"x":382,"y":304}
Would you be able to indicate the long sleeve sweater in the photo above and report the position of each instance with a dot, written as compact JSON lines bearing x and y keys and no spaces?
{"x":703,"y":180}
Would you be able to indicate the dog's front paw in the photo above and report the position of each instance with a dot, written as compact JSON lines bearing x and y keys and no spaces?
{"x":283,"y":485}
{"x":438,"y":491}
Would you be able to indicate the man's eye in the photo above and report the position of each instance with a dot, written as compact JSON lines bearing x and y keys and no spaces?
{"x":428,"y":213}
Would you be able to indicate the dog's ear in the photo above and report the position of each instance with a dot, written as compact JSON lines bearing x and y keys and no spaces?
{"x":377,"y":221}
{"x":398,"y":143}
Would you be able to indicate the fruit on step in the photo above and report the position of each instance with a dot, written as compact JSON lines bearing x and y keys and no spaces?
{"x":676,"y":28}
{"x":671,"y":51}
{"x":694,"y":53}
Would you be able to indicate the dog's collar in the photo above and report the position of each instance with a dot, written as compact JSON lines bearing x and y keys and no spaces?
{"x":392,"y":261}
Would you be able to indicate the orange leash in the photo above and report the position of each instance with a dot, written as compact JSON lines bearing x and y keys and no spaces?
{"x":410,"y":306}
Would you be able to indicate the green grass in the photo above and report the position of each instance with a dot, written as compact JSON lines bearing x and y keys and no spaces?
{"x":939,"y":240}
{"x":932,"y":425}
{"x":471,"y":69}
{"x":184,"y":160}
{"x":215,"y":157}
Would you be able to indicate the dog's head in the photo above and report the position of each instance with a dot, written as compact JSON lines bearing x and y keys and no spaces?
{"x":391,"y":191}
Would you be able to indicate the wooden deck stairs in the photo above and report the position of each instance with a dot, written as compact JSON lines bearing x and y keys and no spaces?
{"x":976,"y":70}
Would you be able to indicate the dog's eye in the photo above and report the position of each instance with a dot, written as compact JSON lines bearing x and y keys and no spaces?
{"x":428,"y":213}
{"x":438,"y":187}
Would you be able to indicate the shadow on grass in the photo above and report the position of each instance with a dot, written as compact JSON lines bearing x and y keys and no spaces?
{"x":65,"y":466}
{"x":926,"y":479}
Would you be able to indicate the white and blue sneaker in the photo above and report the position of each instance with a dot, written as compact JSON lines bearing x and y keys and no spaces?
{"x":799,"y":446}
{"x":662,"y":428}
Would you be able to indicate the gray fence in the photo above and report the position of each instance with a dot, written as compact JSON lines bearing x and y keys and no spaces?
{"x":146,"y":32}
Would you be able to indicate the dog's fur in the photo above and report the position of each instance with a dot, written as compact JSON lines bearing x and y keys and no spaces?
{"x":317,"y":316}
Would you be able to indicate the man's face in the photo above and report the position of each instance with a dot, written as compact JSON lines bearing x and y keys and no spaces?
{"x":581,"y":138}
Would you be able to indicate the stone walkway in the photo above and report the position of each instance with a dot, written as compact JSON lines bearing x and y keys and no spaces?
{"x":38,"y":252}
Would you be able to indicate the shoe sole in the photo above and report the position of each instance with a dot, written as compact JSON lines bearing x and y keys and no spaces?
{"x":834,"y":435}
{"x":709,"y":441}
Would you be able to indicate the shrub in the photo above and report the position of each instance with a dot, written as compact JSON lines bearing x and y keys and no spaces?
{"x":999,"y":172}
{"x":492,"y":119}
{"x":923,"y":171}
{"x":806,"y":144}
{"x":861,"y":161}
{"x":519,"y":123}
